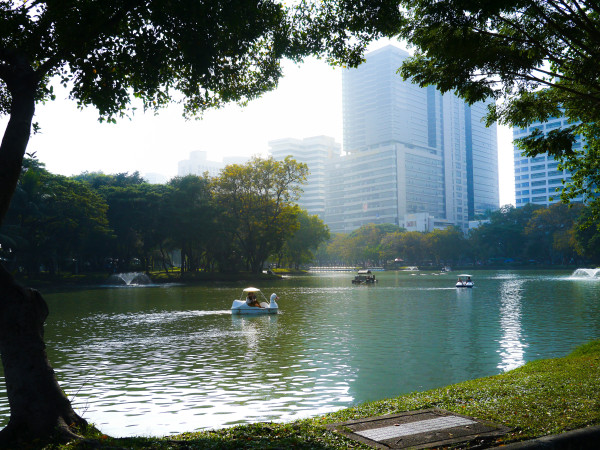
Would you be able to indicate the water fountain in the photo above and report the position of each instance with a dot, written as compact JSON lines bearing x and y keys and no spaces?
{"x":586,"y":273}
{"x":129,"y":279}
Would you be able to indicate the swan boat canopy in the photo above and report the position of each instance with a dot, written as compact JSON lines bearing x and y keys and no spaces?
{"x":464,"y":281}
{"x":241,"y":306}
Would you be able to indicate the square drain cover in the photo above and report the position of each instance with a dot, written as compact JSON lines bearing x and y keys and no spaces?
{"x":418,"y":429}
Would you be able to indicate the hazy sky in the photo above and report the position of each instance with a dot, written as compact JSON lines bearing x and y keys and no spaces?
{"x":308,"y":102}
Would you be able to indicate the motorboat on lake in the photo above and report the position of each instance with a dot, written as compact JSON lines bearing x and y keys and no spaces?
{"x":241,"y":306}
{"x":464,"y":281}
{"x":364,"y":277}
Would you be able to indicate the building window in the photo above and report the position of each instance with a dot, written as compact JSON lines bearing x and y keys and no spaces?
{"x":552,"y":125}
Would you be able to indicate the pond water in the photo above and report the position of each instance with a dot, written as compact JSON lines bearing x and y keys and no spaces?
{"x":157,"y":360}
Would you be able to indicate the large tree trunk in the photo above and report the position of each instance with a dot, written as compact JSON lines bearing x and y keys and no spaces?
{"x":38,"y":407}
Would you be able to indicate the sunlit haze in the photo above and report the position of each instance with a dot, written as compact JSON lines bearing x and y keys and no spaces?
{"x":308,"y":102}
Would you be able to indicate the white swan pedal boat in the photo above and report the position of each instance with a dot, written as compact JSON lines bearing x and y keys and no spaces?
{"x":464,"y":281}
{"x":242,"y":307}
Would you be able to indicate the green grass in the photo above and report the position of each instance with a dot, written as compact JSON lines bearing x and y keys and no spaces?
{"x":542,"y":397}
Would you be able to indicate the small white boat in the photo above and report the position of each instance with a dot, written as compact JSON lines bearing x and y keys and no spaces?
{"x":464,"y":281}
{"x":241,"y":306}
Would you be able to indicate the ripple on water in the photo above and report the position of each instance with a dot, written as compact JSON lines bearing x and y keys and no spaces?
{"x":158,"y":361}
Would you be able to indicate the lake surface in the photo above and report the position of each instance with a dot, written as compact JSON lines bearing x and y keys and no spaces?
{"x":168,"y":359}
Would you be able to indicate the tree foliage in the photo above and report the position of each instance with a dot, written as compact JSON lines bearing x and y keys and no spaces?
{"x":300,"y":247}
{"x":110,"y":54}
{"x":121,"y":223}
{"x":529,"y":235}
{"x":552,"y":232}
{"x":191,"y":218}
{"x":537,"y":58}
{"x":55,"y":219}
{"x":258,"y":200}
{"x":504,"y":236}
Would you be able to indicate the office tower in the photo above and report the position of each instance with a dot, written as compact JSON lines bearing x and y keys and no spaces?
{"x":155,"y":178}
{"x":539,"y":180}
{"x":199,"y":164}
{"x":410,"y":150}
{"x":314,"y":152}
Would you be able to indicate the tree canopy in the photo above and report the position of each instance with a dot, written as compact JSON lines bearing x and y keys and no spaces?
{"x":99,"y":223}
{"x":199,"y":54}
{"x":537,"y":58}
{"x":258,"y":203}
{"x":300,"y":247}
{"x":108,"y":53}
{"x":530,"y":235}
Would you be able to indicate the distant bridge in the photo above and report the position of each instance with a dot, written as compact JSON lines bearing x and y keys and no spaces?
{"x":332,"y":269}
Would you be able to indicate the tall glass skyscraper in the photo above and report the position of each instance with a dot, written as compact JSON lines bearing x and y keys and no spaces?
{"x":539,"y":180}
{"x":409,"y":150}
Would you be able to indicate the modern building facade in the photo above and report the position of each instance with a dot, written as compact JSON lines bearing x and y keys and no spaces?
{"x":409,"y":150}
{"x":539,"y":180}
{"x":315,"y":152}
{"x":199,"y":164}
{"x":423,"y":222}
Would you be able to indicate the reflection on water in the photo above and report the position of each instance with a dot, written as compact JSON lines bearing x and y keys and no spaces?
{"x":512,"y":347}
{"x":165,"y":360}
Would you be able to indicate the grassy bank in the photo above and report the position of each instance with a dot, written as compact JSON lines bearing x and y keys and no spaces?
{"x":543,"y":397}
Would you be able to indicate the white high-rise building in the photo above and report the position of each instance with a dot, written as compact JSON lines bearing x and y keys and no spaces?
{"x":410,"y":150}
{"x":199,"y":164}
{"x":314,"y":152}
{"x":539,"y":180}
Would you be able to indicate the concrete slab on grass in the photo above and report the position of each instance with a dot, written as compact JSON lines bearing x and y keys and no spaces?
{"x":418,"y":429}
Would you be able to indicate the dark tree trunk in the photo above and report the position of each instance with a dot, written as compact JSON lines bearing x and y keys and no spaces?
{"x":38,"y":407}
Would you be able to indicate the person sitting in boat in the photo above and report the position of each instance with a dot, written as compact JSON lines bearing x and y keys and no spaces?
{"x":252,"y":301}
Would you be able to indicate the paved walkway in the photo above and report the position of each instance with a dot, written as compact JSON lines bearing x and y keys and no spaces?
{"x":582,"y":439}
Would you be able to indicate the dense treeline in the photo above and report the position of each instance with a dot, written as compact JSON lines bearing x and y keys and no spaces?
{"x":96,"y":222}
{"x":247,"y":217}
{"x":532,"y":234}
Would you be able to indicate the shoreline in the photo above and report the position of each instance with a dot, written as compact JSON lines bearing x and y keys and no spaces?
{"x":553,"y":399}
{"x":95,"y":280}
{"x":68,"y":281}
